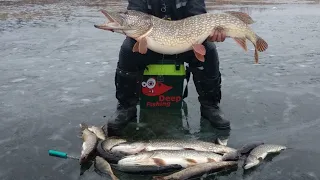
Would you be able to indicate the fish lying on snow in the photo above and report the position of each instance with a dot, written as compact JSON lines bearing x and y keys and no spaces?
{"x":89,"y":142}
{"x":260,"y":152}
{"x":167,"y":144}
{"x":184,"y":158}
{"x":198,"y":169}
{"x":104,"y":167}
{"x":175,"y":37}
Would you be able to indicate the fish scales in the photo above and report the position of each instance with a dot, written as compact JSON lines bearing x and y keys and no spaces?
{"x":198,"y":169}
{"x":260,"y":152}
{"x":179,"y":36}
{"x":189,"y":144}
{"x":104,"y":167}
{"x":89,"y":142}
{"x":167,"y":144}
{"x":184,"y":158}
{"x":188,"y":31}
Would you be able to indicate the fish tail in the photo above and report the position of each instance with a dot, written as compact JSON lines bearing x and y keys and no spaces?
{"x":256,"y":56}
{"x":260,"y":46}
{"x":83,"y":126}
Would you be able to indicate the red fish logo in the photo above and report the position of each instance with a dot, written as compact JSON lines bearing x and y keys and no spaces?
{"x":154,"y":88}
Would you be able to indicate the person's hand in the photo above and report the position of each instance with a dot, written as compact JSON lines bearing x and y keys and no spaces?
{"x":218,"y":35}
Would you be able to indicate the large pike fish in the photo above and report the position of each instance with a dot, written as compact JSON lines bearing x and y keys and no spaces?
{"x":184,"y":158}
{"x":175,"y":37}
{"x":197,"y":170}
{"x":168,"y":144}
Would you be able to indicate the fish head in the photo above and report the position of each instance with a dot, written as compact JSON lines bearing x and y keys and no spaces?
{"x":233,"y":155}
{"x":129,"y":148}
{"x":251,"y":162}
{"x":131,"y":23}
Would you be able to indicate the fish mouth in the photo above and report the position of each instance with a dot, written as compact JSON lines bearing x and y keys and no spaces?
{"x":114,"y":21}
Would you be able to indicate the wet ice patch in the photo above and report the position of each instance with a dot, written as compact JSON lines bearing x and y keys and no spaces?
{"x":100,"y":98}
{"x":313,"y":175}
{"x":302,"y":65}
{"x":69,"y":88}
{"x":18,"y":80}
{"x":5,"y":173}
{"x":5,"y":86}
{"x":288,"y":111}
{"x":85,"y":100}
{"x":20,"y":92}
{"x":2,"y":141}
{"x":67,"y":98}
{"x":91,"y":80}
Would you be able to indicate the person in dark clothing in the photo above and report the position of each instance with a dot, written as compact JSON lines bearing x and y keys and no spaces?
{"x":130,"y":67}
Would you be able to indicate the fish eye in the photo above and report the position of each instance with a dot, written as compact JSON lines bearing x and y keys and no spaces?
{"x":151,"y":83}
{"x":144,"y":84}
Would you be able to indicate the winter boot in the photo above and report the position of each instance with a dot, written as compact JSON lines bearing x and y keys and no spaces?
{"x":209,"y":91}
{"x":127,"y":92}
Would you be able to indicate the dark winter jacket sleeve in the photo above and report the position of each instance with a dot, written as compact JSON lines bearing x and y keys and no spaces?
{"x":195,"y":7}
{"x":138,"y":5}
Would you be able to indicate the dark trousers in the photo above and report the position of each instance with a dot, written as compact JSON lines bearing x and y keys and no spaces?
{"x":206,"y":75}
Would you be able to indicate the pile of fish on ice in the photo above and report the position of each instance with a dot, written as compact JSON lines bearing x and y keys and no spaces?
{"x":186,"y":158}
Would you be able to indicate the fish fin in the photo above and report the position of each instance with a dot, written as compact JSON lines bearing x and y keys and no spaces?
{"x":159,"y":162}
{"x":191,"y":161}
{"x":199,"y":51}
{"x":211,"y":160}
{"x":199,"y":56}
{"x":217,"y":32}
{"x":242,"y":42}
{"x":244,"y":17}
{"x":136,"y":47}
{"x":261,"y":44}
{"x":143,"y":46}
{"x":199,"y":48}
{"x":256,"y":56}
